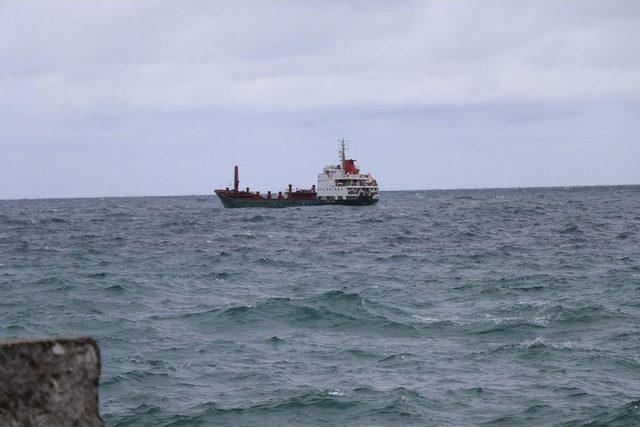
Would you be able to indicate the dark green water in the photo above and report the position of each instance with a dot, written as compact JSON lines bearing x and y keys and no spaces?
{"x":437,"y":307}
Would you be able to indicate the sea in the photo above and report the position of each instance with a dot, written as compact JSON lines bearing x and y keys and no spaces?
{"x":458,"y":307}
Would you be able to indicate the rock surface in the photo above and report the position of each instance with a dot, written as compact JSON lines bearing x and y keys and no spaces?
{"x":52,"y":382}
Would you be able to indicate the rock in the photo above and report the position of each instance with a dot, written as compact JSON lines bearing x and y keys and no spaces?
{"x":50,"y":382}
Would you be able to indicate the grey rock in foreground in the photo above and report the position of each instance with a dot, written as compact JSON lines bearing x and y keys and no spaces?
{"x":52,"y":382}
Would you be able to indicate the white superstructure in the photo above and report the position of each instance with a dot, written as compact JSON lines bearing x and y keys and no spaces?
{"x":345,"y":182}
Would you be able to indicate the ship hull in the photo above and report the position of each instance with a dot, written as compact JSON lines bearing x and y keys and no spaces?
{"x":360,"y":201}
{"x":237,"y":202}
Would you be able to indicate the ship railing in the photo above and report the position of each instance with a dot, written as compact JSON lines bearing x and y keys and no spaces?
{"x":350,"y":177}
{"x":354,"y":184}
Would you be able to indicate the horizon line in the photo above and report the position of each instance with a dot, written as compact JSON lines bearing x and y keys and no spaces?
{"x":533,"y":187}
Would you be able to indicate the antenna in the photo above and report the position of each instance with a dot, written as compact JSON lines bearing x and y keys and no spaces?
{"x":341,"y":150}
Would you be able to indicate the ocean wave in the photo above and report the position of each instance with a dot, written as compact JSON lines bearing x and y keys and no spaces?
{"x":508,"y":327}
{"x":53,"y":220}
{"x":137,"y":375}
{"x":334,"y":310}
{"x":396,"y":357}
{"x":394,"y":258}
{"x":538,"y":315}
{"x":326,"y":400}
{"x":99,"y":275}
{"x":259,"y":218}
{"x":536,"y":345}
{"x":571,"y":228}
{"x":311,"y":407}
{"x":627,"y":414}
{"x":582,"y":314}
{"x":624,"y":235}
{"x":438,"y":322}
{"x":218,"y":275}
{"x":52,"y":281}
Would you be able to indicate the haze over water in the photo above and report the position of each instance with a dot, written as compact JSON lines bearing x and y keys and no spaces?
{"x":432,"y":307}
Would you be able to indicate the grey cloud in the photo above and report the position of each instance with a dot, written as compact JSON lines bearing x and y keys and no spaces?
{"x":245,"y":75}
{"x":311,"y":54}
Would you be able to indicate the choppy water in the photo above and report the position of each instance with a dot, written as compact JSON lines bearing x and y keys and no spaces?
{"x":436,"y":307}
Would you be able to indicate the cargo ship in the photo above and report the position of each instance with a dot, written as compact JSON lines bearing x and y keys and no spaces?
{"x":341,"y":184}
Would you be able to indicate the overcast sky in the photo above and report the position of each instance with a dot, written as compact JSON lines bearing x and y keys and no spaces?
{"x":158,"y":98}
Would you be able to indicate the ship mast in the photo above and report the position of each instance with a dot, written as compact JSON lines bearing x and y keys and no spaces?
{"x":341,"y":151}
{"x":236,"y":179}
